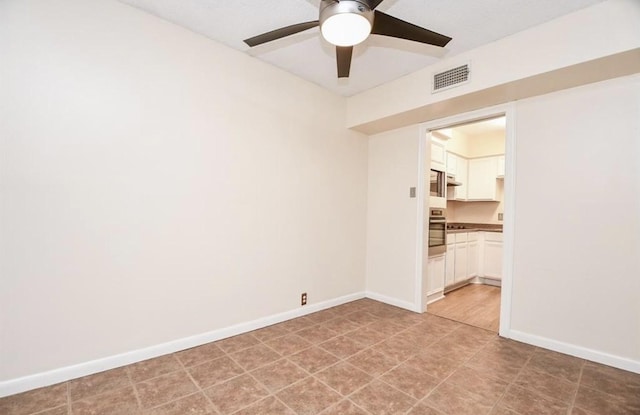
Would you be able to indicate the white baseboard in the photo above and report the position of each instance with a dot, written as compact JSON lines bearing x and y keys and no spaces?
{"x":392,"y":301}
{"x":436,"y":297}
{"x":38,"y":380}
{"x":577,"y":351}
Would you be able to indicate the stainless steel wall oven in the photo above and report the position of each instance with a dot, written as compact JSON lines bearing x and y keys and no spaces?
{"x":437,"y":231}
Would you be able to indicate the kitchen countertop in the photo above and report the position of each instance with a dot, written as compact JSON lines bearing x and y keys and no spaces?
{"x":473,"y":227}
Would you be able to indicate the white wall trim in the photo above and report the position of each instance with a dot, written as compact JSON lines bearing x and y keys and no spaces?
{"x":577,"y":351}
{"x":424,"y":155}
{"x":38,"y":380}
{"x":508,"y":225}
{"x":392,"y":301}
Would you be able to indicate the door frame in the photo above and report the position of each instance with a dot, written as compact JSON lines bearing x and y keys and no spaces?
{"x":509,"y":111}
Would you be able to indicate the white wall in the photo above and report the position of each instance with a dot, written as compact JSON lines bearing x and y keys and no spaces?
{"x":392,"y":216}
{"x":577,"y":221}
{"x":156,"y":185}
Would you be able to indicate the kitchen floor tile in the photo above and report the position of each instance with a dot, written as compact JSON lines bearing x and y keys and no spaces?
{"x":151,"y":368}
{"x":270,"y":405}
{"x":165,"y":388}
{"x":488,"y":388}
{"x":397,"y":348}
{"x":433,"y":365}
{"x":603,"y":403}
{"x":61,"y":410}
{"x":280,"y":374}
{"x":344,"y":378}
{"x":422,"y":409}
{"x":380,"y":398}
{"x":342,"y":347}
{"x":344,"y":408}
{"x":557,"y":364}
{"x":411,"y":380}
{"x":526,"y":402}
{"x":372,"y":362}
{"x":550,"y":386}
{"x":361,"y":317}
{"x":611,"y":380}
{"x":237,"y":343}
{"x":342,"y":325}
{"x":317,"y":334}
{"x":196,"y":404}
{"x":255,"y":357}
{"x":289,"y":344}
{"x":322,"y":316}
{"x":367,"y":337}
{"x":99,"y":383}
{"x":34,"y":401}
{"x":200,"y":354}
{"x":308,"y":397}
{"x":215,"y":371}
{"x":455,"y":400}
{"x":236,"y":394}
{"x":313,"y":359}
{"x":114,"y":402}
{"x":270,"y":332}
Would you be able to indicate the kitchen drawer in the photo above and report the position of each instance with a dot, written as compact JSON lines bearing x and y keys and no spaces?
{"x":493,"y":236}
{"x":461,"y":237}
{"x":473,"y":236}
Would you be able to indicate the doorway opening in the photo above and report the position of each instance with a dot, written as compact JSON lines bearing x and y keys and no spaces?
{"x":464,"y":278}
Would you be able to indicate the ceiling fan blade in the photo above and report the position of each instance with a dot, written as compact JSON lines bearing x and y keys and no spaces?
{"x":280,"y":33}
{"x":386,"y":25}
{"x":374,"y":3}
{"x":343,"y":57}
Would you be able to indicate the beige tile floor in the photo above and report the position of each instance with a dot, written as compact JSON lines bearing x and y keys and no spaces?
{"x":360,"y":358}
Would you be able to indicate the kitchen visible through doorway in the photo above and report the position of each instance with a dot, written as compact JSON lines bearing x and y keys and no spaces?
{"x":464,"y":279}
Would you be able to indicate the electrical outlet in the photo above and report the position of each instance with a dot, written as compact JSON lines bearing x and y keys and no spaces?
{"x":500,"y":216}
{"x":303,"y":299}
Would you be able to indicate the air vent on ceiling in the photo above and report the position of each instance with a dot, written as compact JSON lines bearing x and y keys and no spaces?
{"x":450,"y":78}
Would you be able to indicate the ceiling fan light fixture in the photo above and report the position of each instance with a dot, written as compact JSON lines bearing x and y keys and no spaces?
{"x":345,"y":23}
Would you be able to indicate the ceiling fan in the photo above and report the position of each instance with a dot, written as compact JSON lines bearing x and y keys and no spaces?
{"x":345,"y":23}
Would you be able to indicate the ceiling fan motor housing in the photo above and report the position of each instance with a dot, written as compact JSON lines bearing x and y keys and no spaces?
{"x":330,"y":8}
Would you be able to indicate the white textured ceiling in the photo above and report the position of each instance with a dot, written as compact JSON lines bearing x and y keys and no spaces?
{"x":379,"y":59}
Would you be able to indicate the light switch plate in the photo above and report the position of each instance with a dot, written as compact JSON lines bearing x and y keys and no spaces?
{"x":500,"y":216}
{"x":412,"y":192}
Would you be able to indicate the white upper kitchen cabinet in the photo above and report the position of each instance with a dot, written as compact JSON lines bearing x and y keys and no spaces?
{"x":438,"y":155}
{"x":452,"y":164}
{"x":460,"y":192}
{"x":482,"y":185}
{"x":500,"y":167}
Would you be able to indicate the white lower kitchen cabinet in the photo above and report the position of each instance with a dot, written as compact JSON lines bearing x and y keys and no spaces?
{"x":449,"y":265}
{"x":473,"y":257}
{"x":492,"y":261}
{"x":436,"y":274}
{"x":460,"y":262}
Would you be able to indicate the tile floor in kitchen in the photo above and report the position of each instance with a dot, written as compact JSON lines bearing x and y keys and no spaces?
{"x":362,"y":357}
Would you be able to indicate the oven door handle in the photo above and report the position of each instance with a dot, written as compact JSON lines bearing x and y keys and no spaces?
{"x":437,"y":221}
